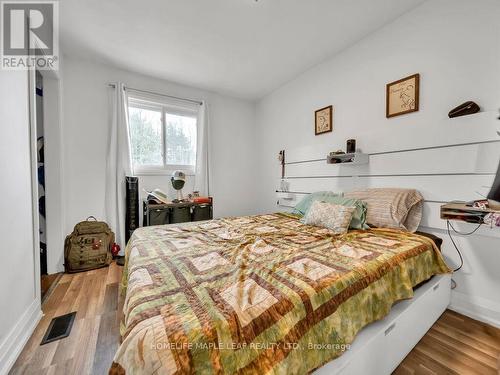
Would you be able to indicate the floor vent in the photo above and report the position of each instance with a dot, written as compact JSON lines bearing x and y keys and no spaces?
{"x":59,"y":328}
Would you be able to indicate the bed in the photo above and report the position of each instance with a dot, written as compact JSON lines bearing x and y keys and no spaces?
{"x":260,"y":294}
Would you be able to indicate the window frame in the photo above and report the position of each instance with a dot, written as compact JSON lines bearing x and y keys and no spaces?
{"x":165,"y":108}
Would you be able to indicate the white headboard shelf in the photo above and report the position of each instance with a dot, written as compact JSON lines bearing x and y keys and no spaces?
{"x":356,"y":158}
{"x":461,"y":171}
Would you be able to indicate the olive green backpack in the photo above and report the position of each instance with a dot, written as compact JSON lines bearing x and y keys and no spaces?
{"x":88,"y":246}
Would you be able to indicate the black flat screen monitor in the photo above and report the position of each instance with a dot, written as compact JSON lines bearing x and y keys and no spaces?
{"x":495,"y":189}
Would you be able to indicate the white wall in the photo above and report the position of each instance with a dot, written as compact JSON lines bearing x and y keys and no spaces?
{"x":85,"y":128}
{"x":455,"y":46}
{"x":20,"y":307}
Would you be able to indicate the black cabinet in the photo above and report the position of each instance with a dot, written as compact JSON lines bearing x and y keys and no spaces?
{"x":171,"y":213}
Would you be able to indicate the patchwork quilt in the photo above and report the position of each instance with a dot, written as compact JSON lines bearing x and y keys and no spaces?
{"x":259,"y":294}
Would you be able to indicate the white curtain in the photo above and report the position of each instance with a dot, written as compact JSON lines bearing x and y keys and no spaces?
{"x":201,"y":179}
{"x":119,"y":164}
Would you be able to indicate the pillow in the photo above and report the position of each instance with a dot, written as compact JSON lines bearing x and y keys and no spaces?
{"x":391,"y":207}
{"x":329,"y":215}
{"x":303,"y":206}
{"x":358,"y":216}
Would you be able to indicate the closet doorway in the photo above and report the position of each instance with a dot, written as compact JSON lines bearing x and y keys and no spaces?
{"x":40,"y":167}
{"x":47,"y":189}
{"x":46,"y":280}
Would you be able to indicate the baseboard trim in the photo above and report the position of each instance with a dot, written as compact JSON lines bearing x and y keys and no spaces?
{"x":18,"y":336}
{"x":478,"y":308}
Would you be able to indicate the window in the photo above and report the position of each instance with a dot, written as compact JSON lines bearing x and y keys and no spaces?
{"x":162,"y":137}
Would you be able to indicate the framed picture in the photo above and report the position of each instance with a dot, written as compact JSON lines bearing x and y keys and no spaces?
{"x":402,"y":96}
{"x":323,"y":120}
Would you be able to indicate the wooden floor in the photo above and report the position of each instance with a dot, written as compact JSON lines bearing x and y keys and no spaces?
{"x":47,"y":281}
{"x":454,"y":345}
{"x":94,"y":338}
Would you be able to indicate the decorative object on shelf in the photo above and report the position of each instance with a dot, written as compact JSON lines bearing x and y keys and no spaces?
{"x":467,"y":108}
{"x":402,"y":96}
{"x":281,"y":158}
{"x":335,"y":157}
{"x":323,"y":120}
{"x":178,"y":180}
{"x":481,"y":204}
{"x":284,"y":185}
{"x":351,"y":158}
{"x":351,"y":146}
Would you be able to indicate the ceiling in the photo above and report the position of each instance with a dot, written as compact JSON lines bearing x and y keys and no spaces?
{"x":242,"y":48}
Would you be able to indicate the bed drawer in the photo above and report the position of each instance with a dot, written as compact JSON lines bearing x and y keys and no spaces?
{"x":402,"y":334}
{"x":381,"y":346}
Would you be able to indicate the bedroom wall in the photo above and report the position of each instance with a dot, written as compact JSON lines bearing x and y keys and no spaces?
{"x":86,"y":119}
{"x":20,"y":306}
{"x":455,"y":46}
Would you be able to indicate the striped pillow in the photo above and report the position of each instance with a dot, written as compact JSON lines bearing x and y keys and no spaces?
{"x":391,"y":207}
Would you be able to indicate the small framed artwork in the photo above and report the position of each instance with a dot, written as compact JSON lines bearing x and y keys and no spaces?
{"x":402,"y":96}
{"x":323,"y":120}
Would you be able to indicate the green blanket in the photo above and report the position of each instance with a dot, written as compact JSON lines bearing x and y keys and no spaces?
{"x":259,"y":294}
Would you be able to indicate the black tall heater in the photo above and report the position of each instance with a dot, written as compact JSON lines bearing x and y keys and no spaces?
{"x":132,"y":206}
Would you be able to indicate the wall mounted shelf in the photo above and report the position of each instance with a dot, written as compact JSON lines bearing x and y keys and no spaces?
{"x":355,"y":158}
{"x":285,"y":195}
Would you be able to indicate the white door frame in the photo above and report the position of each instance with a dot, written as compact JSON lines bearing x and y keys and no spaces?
{"x":34,"y":180}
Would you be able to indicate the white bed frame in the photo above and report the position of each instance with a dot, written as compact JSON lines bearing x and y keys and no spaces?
{"x":381,"y":346}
